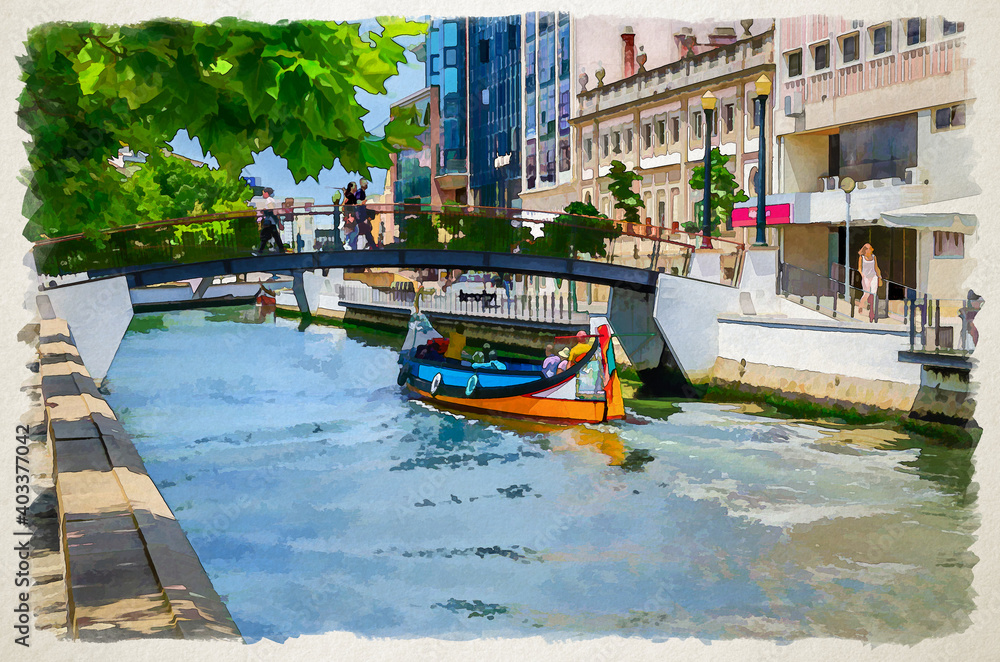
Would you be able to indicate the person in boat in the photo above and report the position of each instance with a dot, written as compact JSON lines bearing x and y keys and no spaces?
{"x":581,"y":347}
{"x":551,"y":362}
{"x":564,"y":360}
{"x":456,"y":344}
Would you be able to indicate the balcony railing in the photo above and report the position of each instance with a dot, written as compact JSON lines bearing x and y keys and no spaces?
{"x":720,"y":61}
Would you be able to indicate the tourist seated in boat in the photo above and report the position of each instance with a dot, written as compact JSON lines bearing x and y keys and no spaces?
{"x":581,"y":348}
{"x":433,"y":350}
{"x":564,"y":362}
{"x":551,"y":362}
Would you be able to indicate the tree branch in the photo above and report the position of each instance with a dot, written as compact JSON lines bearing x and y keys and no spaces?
{"x":38,"y":106}
{"x":100,"y":43}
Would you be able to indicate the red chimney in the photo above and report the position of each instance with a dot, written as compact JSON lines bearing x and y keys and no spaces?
{"x":628,"y":41}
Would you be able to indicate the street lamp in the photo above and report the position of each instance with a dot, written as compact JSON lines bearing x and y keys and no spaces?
{"x":847,"y":185}
{"x":708,"y":102}
{"x":763,"y":86}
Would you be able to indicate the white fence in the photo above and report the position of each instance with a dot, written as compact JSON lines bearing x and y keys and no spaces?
{"x":540,"y":307}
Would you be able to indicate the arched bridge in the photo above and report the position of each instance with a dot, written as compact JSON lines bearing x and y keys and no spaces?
{"x":574,"y":247}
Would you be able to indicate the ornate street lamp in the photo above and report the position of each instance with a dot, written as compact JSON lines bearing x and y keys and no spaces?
{"x":763,"y":86}
{"x":708,"y":102}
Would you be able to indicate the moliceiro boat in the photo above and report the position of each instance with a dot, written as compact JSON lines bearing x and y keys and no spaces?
{"x":587,"y":391}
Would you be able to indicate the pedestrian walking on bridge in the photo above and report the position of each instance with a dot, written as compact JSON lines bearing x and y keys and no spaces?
{"x":268,"y":221}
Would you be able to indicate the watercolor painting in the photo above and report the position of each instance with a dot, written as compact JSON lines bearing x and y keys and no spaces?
{"x":549,"y":324}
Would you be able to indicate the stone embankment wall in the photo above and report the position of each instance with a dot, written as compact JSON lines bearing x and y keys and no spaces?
{"x":130,"y":570}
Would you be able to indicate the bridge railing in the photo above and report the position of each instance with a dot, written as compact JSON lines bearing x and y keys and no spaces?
{"x":310,"y":228}
{"x":551,"y":307}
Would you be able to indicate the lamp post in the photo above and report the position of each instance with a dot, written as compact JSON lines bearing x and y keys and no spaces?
{"x":763,"y":86}
{"x":847,"y":185}
{"x":708,"y":101}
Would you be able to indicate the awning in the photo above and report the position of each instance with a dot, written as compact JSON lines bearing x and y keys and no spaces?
{"x":956,"y":215}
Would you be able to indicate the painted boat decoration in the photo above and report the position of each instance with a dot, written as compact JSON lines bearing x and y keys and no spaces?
{"x":265,"y":297}
{"x":588,"y":391}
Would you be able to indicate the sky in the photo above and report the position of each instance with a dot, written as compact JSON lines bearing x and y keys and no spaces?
{"x":273,"y":171}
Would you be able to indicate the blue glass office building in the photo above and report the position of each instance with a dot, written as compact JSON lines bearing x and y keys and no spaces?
{"x":546,"y":98}
{"x":495,"y":110}
{"x":446,"y":68}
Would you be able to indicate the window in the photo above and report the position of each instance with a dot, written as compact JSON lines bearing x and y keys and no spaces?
{"x":849,"y":48}
{"x":484,"y":50}
{"x":588,"y":147}
{"x":647,"y":135}
{"x":616,"y":142}
{"x":752,"y":104}
{"x":513,"y":36}
{"x":915,"y":31}
{"x":949,"y":117}
{"x":628,"y":141}
{"x":604,"y":145}
{"x":696,"y":125}
{"x":565,"y":161}
{"x":451,"y":34}
{"x":950,"y":27}
{"x":793,"y":62}
{"x":729,"y":116}
{"x":450,"y":57}
{"x":880,"y":39}
{"x":675,"y":129}
{"x":949,"y":244}
{"x":661,"y":128}
{"x":878,"y":149}
{"x":821,"y":56}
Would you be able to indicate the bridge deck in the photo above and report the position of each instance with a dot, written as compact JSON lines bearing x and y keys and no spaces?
{"x":571,"y":269}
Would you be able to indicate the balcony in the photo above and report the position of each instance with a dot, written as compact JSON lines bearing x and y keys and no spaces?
{"x":828,"y":204}
{"x":716,"y":63}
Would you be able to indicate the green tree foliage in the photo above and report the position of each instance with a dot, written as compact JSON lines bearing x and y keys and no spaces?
{"x":239,"y":87}
{"x":472,"y":232}
{"x":581,"y":229}
{"x":725,"y":193}
{"x":621,"y":189}
{"x":167,"y":187}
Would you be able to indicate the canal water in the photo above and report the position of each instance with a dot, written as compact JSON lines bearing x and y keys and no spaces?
{"x":320,"y":498}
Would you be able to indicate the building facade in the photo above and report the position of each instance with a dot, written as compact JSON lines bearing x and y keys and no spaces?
{"x":654,"y":123}
{"x":495,"y":110}
{"x":885,"y":106}
{"x":411,"y":179}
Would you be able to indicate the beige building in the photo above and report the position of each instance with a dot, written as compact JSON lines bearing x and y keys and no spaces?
{"x":654,"y":123}
{"x":617,"y":65}
{"x":886,"y":105}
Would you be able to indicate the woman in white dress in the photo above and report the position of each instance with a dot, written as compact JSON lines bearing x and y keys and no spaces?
{"x":871,"y":277}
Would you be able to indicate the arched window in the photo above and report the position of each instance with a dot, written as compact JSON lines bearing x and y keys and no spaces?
{"x":588,"y":199}
{"x":752,"y":181}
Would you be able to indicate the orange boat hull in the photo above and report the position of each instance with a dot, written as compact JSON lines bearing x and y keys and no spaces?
{"x":570,"y":411}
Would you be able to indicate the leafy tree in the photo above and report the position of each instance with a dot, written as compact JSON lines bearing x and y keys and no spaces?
{"x":239,"y":87}
{"x":473,"y":232}
{"x":621,"y":189}
{"x":725,"y":193}
{"x":167,"y":187}
{"x":581,"y":229}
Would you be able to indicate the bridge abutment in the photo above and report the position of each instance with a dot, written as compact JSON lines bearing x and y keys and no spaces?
{"x":98,"y":312}
{"x":316,"y":290}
